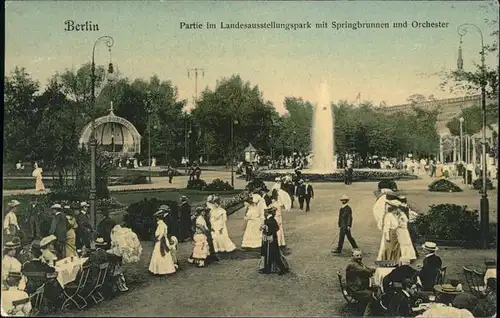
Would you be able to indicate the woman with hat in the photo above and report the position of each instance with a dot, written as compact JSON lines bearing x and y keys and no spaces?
{"x":200,"y":249}
{"x":12,"y":294}
{"x":47,"y":248}
{"x":389,"y":245}
{"x":276,"y":203}
{"x":161,"y":261}
{"x":403,"y":235}
{"x":70,"y":246}
{"x":10,"y":225}
{"x":9,"y":261}
{"x":212,"y":256}
{"x":252,"y":237}
{"x":37,"y":173}
{"x":271,"y":257}
{"x":220,"y":235}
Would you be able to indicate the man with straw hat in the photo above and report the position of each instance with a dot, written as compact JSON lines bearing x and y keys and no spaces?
{"x":84,"y":230}
{"x":59,"y":228}
{"x":10,"y":225}
{"x":345,"y":225}
{"x":430,"y":267}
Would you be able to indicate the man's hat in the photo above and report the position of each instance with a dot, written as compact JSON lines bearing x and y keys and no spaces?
{"x":99,"y":242}
{"x":83,"y":204}
{"x":13,"y":203}
{"x":165,"y":208}
{"x":47,"y":240}
{"x":184,"y":198}
{"x":430,"y":246}
{"x":446,"y":289}
{"x":35,"y":245}
{"x":10,"y":245}
{"x":56,"y":206}
{"x":344,"y":198}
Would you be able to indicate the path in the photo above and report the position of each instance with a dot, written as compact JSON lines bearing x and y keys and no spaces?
{"x":234,"y":288}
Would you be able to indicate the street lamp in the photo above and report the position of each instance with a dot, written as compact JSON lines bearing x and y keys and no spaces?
{"x":461,"y":120}
{"x":233,"y":122}
{"x":108,"y":41}
{"x":293,"y":143}
{"x":484,"y":226}
{"x":149,"y":111}
{"x":187,"y":134}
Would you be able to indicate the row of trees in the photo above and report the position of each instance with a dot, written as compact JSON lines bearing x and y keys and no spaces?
{"x":46,"y":124}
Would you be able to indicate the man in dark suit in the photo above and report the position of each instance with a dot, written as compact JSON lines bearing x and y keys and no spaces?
{"x":399,"y":274}
{"x":357,"y":277}
{"x":59,"y":229}
{"x":191,"y":172}
{"x":308,"y":195}
{"x":170,"y":174}
{"x":403,"y":299}
{"x":84,"y":230}
{"x":105,"y":227}
{"x":345,"y":225}
{"x":96,"y":258}
{"x":185,"y":220}
{"x":430,"y":267}
{"x":39,"y":221}
{"x":197,"y":172}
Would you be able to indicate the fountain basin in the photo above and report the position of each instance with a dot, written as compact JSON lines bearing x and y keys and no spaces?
{"x":358,"y":175}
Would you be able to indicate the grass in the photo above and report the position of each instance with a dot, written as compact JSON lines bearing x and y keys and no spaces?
{"x":24,"y":184}
{"x":233,"y":287}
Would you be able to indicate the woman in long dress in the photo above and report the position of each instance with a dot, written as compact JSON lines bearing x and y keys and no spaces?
{"x":271,"y":258}
{"x":276,"y":203}
{"x":389,"y":245}
{"x":10,"y":226}
{"x":403,"y":236}
{"x":37,"y":173}
{"x":252,"y":237}
{"x":70,"y":246}
{"x":220,"y":235}
{"x":161,"y":260}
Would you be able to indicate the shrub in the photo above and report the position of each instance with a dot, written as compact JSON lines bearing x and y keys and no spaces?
{"x":338,"y":176}
{"x":196,"y":184}
{"x":478,"y":184}
{"x":388,"y":184}
{"x":71,"y":194}
{"x":164,"y":173}
{"x":137,"y":179}
{"x":255,"y":184}
{"x":218,"y":185}
{"x":140,"y":216}
{"x":443,"y":185}
{"x":450,"y":222}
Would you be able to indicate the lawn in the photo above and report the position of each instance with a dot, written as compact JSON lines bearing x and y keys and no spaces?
{"x":234,"y":288}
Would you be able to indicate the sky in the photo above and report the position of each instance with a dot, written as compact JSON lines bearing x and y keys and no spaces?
{"x":380,"y":64}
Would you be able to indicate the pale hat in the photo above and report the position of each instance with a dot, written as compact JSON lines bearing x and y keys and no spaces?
{"x":447,"y":289}
{"x":301,"y":181}
{"x":277,"y":179}
{"x":164,"y":208}
{"x":430,"y":246}
{"x":47,"y":240}
{"x":10,"y":245}
{"x":13,"y":203}
{"x":344,"y":198}
{"x":99,"y":242}
{"x":184,"y":198}
{"x":56,"y":206}
{"x":84,"y":204}
{"x":394,"y":203}
{"x":160,"y":213}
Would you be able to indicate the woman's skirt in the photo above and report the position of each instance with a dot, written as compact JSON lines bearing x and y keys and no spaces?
{"x":70,"y":246}
{"x":39,"y":184}
{"x":222,"y":243}
{"x":389,"y":251}
{"x":405,"y":243}
{"x":161,"y":265}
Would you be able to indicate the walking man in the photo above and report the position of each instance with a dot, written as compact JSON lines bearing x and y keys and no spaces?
{"x":305,"y":193}
{"x":345,"y":225}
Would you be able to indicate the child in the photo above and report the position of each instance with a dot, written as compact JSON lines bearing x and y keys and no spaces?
{"x":173,"y":250}
{"x":200,"y":250}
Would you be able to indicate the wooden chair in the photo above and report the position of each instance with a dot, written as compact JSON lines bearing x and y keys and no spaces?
{"x":95,"y":294}
{"x":348,"y":298}
{"x":475,"y":282}
{"x":76,"y":288}
{"x":37,"y":301}
{"x":16,"y":304}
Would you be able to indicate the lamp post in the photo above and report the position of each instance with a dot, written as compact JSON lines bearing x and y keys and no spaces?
{"x":484,"y":226}
{"x":461,"y":120}
{"x":149,"y":110}
{"x":108,"y":41}
{"x":187,"y":134}
{"x":233,"y":122}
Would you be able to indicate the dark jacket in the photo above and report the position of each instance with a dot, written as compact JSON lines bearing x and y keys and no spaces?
{"x":84,"y":230}
{"x":301,"y":191}
{"x":401,"y":304}
{"x":39,"y":222}
{"x":399,"y":274}
{"x":430,"y":269}
{"x":104,"y":229}
{"x":59,"y":227}
{"x":35,"y":266}
{"x":345,"y":217}
{"x":357,"y":276}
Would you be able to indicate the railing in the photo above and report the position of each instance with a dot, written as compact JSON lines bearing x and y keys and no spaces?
{"x":439,"y":102}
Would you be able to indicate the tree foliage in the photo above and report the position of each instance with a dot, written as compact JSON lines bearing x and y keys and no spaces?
{"x":473,"y":121}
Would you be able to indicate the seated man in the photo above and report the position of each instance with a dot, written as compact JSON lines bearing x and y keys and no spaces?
{"x":96,"y":258}
{"x":403,"y":299}
{"x":399,"y":274}
{"x":12,"y":294}
{"x":358,"y":282}
{"x":488,"y":307}
{"x":431,"y":266}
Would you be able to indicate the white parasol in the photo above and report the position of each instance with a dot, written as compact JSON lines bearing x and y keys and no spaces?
{"x":379,"y":210}
{"x":285,"y":199}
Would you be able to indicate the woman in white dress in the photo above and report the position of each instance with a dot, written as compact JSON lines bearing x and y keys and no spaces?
{"x":389,"y":245}
{"x":220,"y":235}
{"x":403,"y":236}
{"x":161,"y":260}
{"x":37,"y":173}
{"x":278,"y":205}
{"x":252,"y":238}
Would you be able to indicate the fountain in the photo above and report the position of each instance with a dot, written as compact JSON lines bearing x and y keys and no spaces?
{"x":323,"y":142}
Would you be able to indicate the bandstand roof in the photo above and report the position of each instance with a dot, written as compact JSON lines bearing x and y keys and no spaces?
{"x":250,"y":148}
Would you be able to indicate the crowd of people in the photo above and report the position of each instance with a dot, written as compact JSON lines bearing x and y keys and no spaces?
{"x":403,"y":288}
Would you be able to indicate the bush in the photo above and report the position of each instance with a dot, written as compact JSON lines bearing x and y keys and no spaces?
{"x":443,"y":185}
{"x":255,"y":184}
{"x":338,"y":176}
{"x":388,"y":184}
{"x":478,"y":184}
{"x":140,"y":216}
{"x":450,"y":222}
{"x":136,"y":179}
{"x":164,"y":173}
{"x":196,"y":184}
{"x":218,"y":185}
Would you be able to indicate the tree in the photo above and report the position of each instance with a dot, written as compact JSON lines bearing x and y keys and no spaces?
{"x":473,"y":121}
{"x":416,"y":99}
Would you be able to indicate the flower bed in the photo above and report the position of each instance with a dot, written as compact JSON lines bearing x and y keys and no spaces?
{"x":338,"y":176}
{"x":215,"y":185}
{"x":443,"y":185}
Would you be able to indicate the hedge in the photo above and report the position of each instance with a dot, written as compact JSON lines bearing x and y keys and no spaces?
{"x":215,"y":185}
{"x":338,"y":176}
{"x":443,"y":185}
